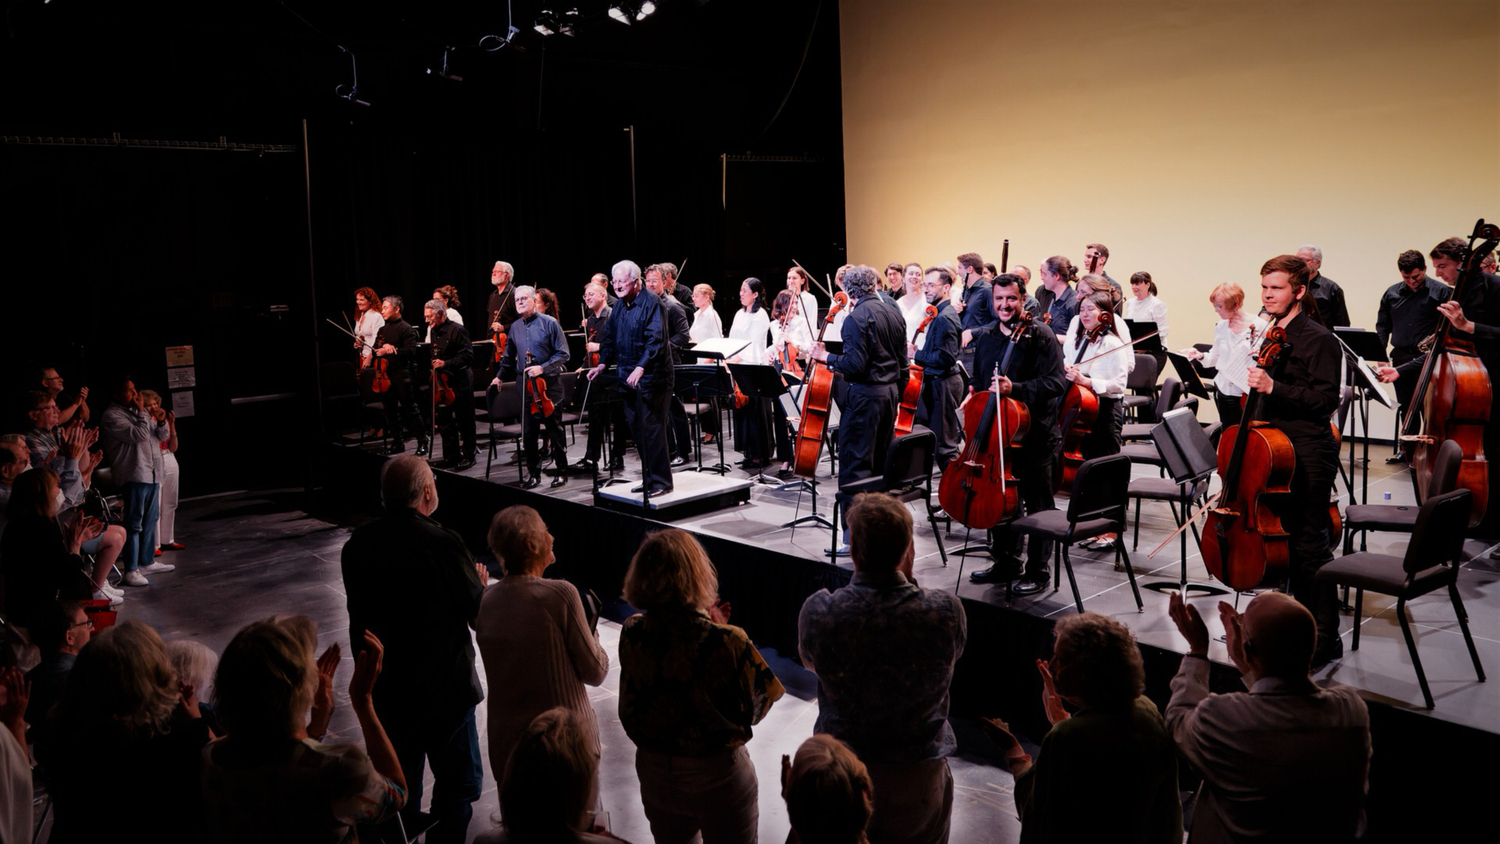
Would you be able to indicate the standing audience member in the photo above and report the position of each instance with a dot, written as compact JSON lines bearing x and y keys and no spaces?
{"x":60,"y":630}
{"x":1284,"y":760}
{"x":268,"y":779}
{"x":122,"y":703}
{"x":538,"y":648}
{"x":15,"y":460}
{"x":166,"y":524}
{"x":40,"y":561}
{"x":66,"y":452}
{"x":691,"y":688}
{"x":412,"y":583}
{"x":132,"y":438}
{"x":70,"y":403}
{"x":547,"y":784}
{"x":884,"y":650}
{"x":827,"y":792}
{"x":16,"y":789}
{"x":1108,"y":772}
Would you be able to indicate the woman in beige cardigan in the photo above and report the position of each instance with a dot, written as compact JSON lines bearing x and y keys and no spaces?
{"x":536,"y":643}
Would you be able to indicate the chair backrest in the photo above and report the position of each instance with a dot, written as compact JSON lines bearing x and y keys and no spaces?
{"x":1171,"y":392}
{"x":1101,"y":489}
{"x":1143,"y":377}
{"x":909,"y":459}
{"x":503,"y":402}
{"x":569,"y":388}
{"x":1445,"y":469}
{"x":1438,"y":537}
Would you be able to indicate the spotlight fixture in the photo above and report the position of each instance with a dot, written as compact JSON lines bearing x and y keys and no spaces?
{"x":550,"y":22}
{"x":626,"y":12}
{"x":443,"y":72}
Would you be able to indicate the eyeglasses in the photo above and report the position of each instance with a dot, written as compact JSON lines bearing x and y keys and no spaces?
{"x":87,"y":622}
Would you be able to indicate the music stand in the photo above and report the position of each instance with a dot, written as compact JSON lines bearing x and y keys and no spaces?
{"x":1144,"y":344}
{"x":1190,"y":459}
{"x":759,"y":381}
{"x":719,"y":350}
{"x":609,"y":390}
{"x":705,"y":381}
{"x":791,"y":404}
{"x":1361,"y":346}
{"x":1187,"y":373}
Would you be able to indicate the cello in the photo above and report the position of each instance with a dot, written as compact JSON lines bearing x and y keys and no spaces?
{"x":1079,"y":410}
{"x":817,"y":399}
{"x":1243,"y":542}
{"x":906,"y":413}
{"x":1453,"y":394}
{"x":978,"y":488}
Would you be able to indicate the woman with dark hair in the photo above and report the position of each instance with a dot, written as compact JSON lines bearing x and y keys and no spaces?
{"x":1056,"y":297}
{"x":1093,"y":362}
{"x":123,"y":704}
{"x":448,"y":295}
{"x":269,"y":780}
{"x":788,"y":329}
{"x":752,"y":325}
{"x":691,"y":688}
{"x":40,"y":560}
{"x":1143,"y":306}
{"x":546,"y":302}
{"x":367,"y":323}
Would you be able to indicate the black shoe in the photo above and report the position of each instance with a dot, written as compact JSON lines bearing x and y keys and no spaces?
{"x":617,"y":464}
{"x":466,"y":462}
{"x":1327,"y":652}
{"x":586,"y":466}
{"x":531,"y":482}
{"x":424,"y":448}
{"x":559,"y":480}
{"x":658,"y":489}
{"x":397,"y":447}
{"x":1032,"y":586}
{"x":445,"y":463}
{"x":678,"y":461}
{"x":1396,"y":458}
{"x":786,"y":474}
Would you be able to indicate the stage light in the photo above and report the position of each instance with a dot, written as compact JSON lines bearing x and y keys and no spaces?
{"x":618,"y":13}
{"x":626,"y":12}
{"x":443,"y":72}
{"x":556,"y":23}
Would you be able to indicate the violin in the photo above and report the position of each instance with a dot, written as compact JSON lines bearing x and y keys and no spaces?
{"x":817,"y":399}
{"x":536,"y":388}
{"x":382,"y":381}
{"x":978,"y":488}
{"x":442,"y":392}
{"x":1079,"y":412}
{"x":500,"y":339}
{"x":789,"y":356}
{"x":1453,"y":394}
{"x":1243,"y":541}
{"x":593,"y":357}
{"x":906,"y":413}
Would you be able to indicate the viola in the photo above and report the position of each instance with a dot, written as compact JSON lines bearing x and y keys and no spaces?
{"x":817,"y":399}
{"x":1453,"y":394}
{"x":500,"y":339}
{"x":1243,"y":541}
{"x":1079,"y":412}
{"x":536,"y":388}
{"x":593,"y":356}
{"x":978,"y":488}
{"x":442,"y":392}
{"x":789,"y":356}
{"x":382,"y":381}
{"x":906,"y":413}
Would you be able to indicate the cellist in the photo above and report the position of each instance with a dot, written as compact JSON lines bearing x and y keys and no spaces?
{"x":1033,"y":374}
{"x":1300,"y":403}
{"x":942,"y":386}
{"x":538,"y":339}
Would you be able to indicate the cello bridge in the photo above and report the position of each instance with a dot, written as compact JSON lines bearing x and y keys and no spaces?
{"x":1424,"y":439}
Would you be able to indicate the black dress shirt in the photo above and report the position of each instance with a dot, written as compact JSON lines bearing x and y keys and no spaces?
{"x":874,"y":336}
{"x":678,"y":327}
{"x":1035,"y":369}
{"x":1306,"y":390}
{"x":403,"y":337}
{"x":683,"y":295}
{"x":1407,"y":316}
{"x":636,"y":335}
{"x":979,"y":305}
{"x":1332,"y":312}
{"x":503,"y":304}
{"x":450,"y":344}
{"x":1062,"y":307}
{"x":939,"y":353}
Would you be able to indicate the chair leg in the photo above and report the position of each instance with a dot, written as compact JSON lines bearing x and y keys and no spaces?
{"x":1073,"y":581}
{"x":932,"y":521}
{"x":1057,"y":558}
{"x":1130,"y":573}
{"x":1463,"y":624}
{"x":1362,"y":535}
{"x":1411,"y":647}
{"x":489,"y":455}
{"x":1135,"y":538}
{"x":1359,"y":615}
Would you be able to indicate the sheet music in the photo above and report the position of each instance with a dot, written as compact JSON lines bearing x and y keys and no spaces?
{"x":719,"y":347}
{"x":1234,"y":367}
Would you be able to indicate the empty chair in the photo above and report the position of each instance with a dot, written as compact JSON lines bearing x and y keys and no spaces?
{"x":1402,"y":518}
{"x":1166,"y":399}
{"x":1142,"y":386}
{"x":907,"y":476}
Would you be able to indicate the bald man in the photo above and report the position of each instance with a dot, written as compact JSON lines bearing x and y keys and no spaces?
{"x":1285,"y":761}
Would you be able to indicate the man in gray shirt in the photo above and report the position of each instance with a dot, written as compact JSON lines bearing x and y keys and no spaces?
{"x":132,"y":438}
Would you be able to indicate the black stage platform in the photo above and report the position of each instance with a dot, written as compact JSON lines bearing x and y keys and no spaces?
{"x":766,"y":572}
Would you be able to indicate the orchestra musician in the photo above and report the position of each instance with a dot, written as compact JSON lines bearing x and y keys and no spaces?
{"x":1034,"y":375}
{"x":751,"y":324}
{"x":502,"y":305}
{"x":1095,"y":256}
{"x":979,"y":309}
{"x":635,"y":345}
{"x":1096,"y":361}
{"x":1143,"y":306}
{"x":1236,"y":335}
{"x":367,"y":323}
{"x":397,"y":343}
{"x":1409,"y":314}
{"x":1326,"y":293}
{"x":546,"y":303}
{"x":1057,"y":301}
{"x":604,"y":408}
{"x":873,"y":364}
{"x":1300,"y":402}
{"x":1029,"y":301}
{"x":791,"y":339}
{"x":942,"y":385}
{"x":913,"y":300}
{"x":799,"y":283}
{"x":680,"y":292}
{"x":679,"y":338}
{"x":448,"y":295}
{"x":537,"y":347}
{"x":453,"y":356}
{"x":706,"y":326}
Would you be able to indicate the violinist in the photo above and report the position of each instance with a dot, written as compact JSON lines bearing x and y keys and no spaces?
{"x":448,"y":295}
{"x":679,"y":338}
{"x":873,"y":364}
{"x":367,"y":322}
{"x":800,"y":283}
{"x":913,"y":300}
{"x":502,"y":305}
{"x":536,"y":348}
{"x":1033,"y":375}
{"x":942,"y":386}
{"x":453,"y":357}
{"x":1056,"y":300}
{"x":1300,"y":402}
{"x":546,"y":303}
{"x":604,"y":407}
{"x":753,"y":326}
{"x":396,"y":344}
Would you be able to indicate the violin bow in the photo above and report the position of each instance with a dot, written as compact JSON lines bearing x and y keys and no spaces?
{"x":827,"y":291}
{"x":1117,"y":348}
{"x":367,"y":345}
{"x":1211,"y":504}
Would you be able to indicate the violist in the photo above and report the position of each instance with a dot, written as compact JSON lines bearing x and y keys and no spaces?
{"x":937,"y":354}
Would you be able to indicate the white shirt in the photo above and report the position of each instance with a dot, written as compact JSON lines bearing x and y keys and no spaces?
{"x":752,"y":328}
{"x":1149,"y":309}
{"x":796,"y":331}
{"x":1070,"y":352}
{"x":1231,"y":353}
{"x":808,"y":304}
{"x":366,"y":327}
{"x":914,"y":314}
{"x":1108,"y":374}
{"x":706,"y":325}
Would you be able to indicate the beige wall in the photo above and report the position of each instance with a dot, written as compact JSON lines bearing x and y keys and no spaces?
{"x":1196,"y":138}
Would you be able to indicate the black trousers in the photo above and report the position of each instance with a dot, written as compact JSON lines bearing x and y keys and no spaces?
{"x":401,"y":416}
{"x":681,"y":443}
{"x":550,"y":428}
{"x":1406,"y":387}
{"x":938,"y":410}
{"x":1228,"y":407}
{"x":1304,"y":516}
{"x":646,"y":413}
{"x":1104,"y":438}
{"x":456,"y":421}
{"x":1033,"y":467}
{"x":606,"y":414}
{"x":866,"y":424}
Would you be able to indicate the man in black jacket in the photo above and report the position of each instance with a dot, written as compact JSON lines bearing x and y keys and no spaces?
{"x":396,"y":343}
{"x":942,"y":385}
{"x":453,"y":356}
{"x":678,"y":338}
{"x":635,"y":347}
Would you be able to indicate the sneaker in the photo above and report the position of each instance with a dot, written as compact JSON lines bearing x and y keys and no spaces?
{"x":114,"y":600}
{"x":158,"y":568}
{"x":135,"y":578}
{"x":111,"y":590}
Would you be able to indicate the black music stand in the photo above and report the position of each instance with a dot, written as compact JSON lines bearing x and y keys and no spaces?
{"x":759,"y":381}
{"x":1190,"y":459}
{"x":609,"y":396}
{"x":705,"y":381}
{"x":1150,"y":345}
{"x":808,"y":485}
{"x":1187,"y":373}
{"x":1361,"y":346}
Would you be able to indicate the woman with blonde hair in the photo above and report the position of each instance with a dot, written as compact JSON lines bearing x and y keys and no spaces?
{"x":1236,"y":336}
{"x":691,"y":688}
{"x":706,"y":326}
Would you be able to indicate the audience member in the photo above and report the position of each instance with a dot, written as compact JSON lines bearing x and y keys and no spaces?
{"x":166,"y":523}
{"x":884,"y":650}
{"x":132,"y":438}
{"x":827,"y":792}
{"x":1284,"y":760}
{"x":538,"y":649}
{"x":71,"y":404}
{"x":1109,"y":771}
{"x":268,"y":779}
{"x":16,"y":791}
{"x":60,"y":630}
{"x":122,"y":703}
{"x":412,"y":582}
{"x":691,"y":688}
{"x":40,"y":561}
{"x":547,"y":785}
{"x":194,"y":663}
{"x":15,"y":460}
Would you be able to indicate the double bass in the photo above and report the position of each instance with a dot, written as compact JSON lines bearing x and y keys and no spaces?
{"x":1243,"y":541}
{"x":978,"y":488}
{"x":817,"y":399}
{"x":906,"y":412}
{"x":1454,"y":394}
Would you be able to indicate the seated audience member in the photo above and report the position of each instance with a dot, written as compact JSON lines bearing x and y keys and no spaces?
{"x":39,"y":560}
{"x":195,"y":664}
{"x":16,"y":791}
{"x":1108,"y":772}
{"x":59,"y":630}
{"x":884,"y":650}
{"x":547,"y":785}
{"x":132,"y":438}
{"x":1284,"y":760}
{"x":166,"y":522}
{"x":268,"y":779}
{"x":71,"y":404}
{"x":827,"y":792}
{"x":691,"y":688}
{"x":122,"y":706}
{"x":15,"y":459}
{"x":538,"y":649}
